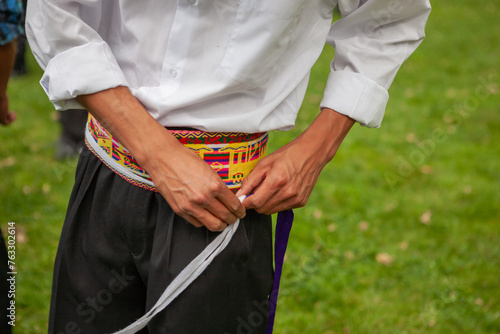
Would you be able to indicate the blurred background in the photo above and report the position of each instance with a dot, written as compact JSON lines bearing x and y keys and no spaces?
{"x":402,"y":232}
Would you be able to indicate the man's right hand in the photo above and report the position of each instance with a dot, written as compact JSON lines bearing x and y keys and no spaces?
{"x":194,"y":190}
{"x":191,"y":187}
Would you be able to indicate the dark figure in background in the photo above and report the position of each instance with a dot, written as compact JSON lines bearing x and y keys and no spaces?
{"x":72,"y":121}
{"x":72,"y":137}
{"x":20,"y":60}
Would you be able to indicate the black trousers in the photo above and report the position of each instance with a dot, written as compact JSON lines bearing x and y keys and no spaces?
{"x":122,"y":245}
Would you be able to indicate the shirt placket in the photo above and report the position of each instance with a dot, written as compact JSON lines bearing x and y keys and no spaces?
{"x":176,"y":54}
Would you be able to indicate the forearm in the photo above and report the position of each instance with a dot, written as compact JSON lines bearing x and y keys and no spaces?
{"x":324,"y":136}
{"x":7,"y":56}
{"x":127,"y":120}
{"x":191,"y":187}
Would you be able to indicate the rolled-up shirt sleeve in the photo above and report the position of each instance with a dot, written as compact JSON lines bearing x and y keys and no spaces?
{"x":64,"y":40}
{"x":371,"y":41}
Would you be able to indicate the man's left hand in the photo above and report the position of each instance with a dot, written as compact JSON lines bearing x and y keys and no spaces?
{"x":285,"y":179}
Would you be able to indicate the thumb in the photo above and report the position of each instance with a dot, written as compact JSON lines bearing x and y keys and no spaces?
{"x":251,"y":182}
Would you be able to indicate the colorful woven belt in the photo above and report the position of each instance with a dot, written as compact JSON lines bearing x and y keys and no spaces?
{"x":232,"y":155}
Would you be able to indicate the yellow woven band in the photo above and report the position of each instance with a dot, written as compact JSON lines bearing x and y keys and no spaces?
{"x":232,"y":155}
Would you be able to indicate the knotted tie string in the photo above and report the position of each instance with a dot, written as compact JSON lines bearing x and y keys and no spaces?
{"x":201,"y":262}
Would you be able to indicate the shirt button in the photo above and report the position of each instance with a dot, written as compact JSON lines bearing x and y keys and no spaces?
{"x":173,"y":73}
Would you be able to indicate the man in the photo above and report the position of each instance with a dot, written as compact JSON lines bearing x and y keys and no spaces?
{"x":150,"y":71}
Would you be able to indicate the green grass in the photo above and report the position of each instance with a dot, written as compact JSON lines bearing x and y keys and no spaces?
{"x":423,"y":190}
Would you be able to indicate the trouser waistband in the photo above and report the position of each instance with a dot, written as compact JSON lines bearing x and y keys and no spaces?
{"x":232,"y":155}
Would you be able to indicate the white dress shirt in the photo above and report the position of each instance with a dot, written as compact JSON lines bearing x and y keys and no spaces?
{"x":225,"y":65}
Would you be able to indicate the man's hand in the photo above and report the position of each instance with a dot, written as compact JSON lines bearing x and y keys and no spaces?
{"x":6,"y":116}
{"x":191,"y":187}
{"x":284,"y":179}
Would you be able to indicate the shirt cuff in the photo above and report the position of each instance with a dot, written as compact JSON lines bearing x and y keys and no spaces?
{"x":70,"y":74}
{"x":356,"y":96}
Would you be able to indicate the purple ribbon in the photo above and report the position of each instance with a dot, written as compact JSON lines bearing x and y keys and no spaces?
{"x":283,"y":228}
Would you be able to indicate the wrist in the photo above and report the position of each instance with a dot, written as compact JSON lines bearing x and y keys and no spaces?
{"x":124,"y":117}
{"x":328,"y":131}
{"x":157,"y":145}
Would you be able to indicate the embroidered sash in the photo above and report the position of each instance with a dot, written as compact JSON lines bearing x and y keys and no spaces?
{"x":232,"y":155}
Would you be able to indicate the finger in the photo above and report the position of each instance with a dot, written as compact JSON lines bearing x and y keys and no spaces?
{"x":220,"y":211}
{"x":262,"y":202}
{"x":281,"y":206}
{"x":252,"y":181}
{"x":193,"y":221}
{"x":278,"y":193}
{"x":191,"y":213}
{"x":205,"y":218}
{"x":206,"y":209}
{"x":221,"y":201}
{"x":265,"y":194}
{"x":230,"y":202}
